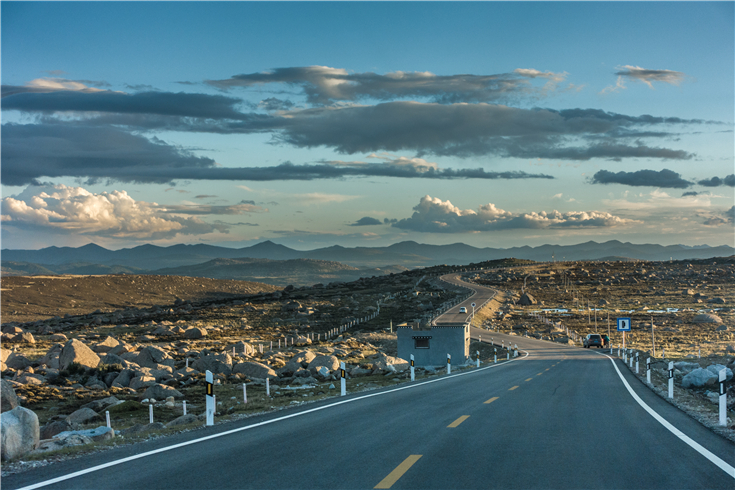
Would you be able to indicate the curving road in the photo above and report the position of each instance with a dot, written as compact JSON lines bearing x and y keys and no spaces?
{"x":558,"y":417}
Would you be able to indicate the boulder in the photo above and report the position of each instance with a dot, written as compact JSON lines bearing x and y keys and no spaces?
{"x":242,"y":348}
{"x":99,"y":434}
{"x":101,"y":404}
{"x":151,"y":357}
{"x":330,"y":362}
{"x":716,"y":368}
{"x":31,"y":379}
{"x":686,"y":366}
{"x":56,"y":427}
{"x":8,"y":399}
{"x":160,"y":392}
{"x":187,"y":419}
{"x":195,"y":333}
{"x":124,"y":378}
{"x":4,"y":354}
{"x":23,"y":338}
{"x":17,"y":361}
{"x":106,"y":345}
{"x":254,"y":370}
{"x":83,"y":416}
{"x":527,"y":300}
{"x":142,"y":382}
{"x":58,"y":337}
{"x":300,"y":360}
{"x":698,"y":378}
{"x":19,"y":433}
{"x":717,"y":301}
{"x":110,"y":359}
{"x":68,"y":441}
{"x":389,"y":364}
{"x":216,"y":363}
{"x":323,"y":372}
{"x":707,"y":318}
{"x":75,"y":351}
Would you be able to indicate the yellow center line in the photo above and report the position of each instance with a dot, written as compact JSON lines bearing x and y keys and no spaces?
{"x":539,"y":374}
{"x":511,"y":389}
{"x":394,"y":475}
{"x":529,"y":379}
{"x":547,"y":369}
{"x":458,"y":421}
{"x":492,"y":399}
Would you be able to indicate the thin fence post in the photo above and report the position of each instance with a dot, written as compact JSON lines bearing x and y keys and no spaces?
{"x":107,"y":416}
{"x":244,"y":393}
{"x":184,"y":403}
{"x":150,"y":412}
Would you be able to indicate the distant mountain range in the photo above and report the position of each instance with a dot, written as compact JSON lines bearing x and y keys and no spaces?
{"x":407,"y":254}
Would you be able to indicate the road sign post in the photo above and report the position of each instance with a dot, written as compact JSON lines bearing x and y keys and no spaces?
{"x":623,"y":326}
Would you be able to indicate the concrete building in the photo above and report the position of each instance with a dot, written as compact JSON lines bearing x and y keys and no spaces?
{"x":430,"y":345}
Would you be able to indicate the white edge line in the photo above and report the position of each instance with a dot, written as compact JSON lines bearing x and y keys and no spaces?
{"x":691,"y":442}
{"x":266,"y":422}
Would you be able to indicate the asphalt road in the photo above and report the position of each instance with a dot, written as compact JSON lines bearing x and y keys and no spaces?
{"x":558,"y":417}
{"x":482,"y":295}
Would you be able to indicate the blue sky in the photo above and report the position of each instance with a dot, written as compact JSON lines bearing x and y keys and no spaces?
{"x":493,"y":124}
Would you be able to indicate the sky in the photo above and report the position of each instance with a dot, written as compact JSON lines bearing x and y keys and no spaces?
{"x":496,"y":124}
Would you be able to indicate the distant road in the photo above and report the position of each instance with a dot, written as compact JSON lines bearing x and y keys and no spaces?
{"x":481,"y":296}
{"x":558,"y":417}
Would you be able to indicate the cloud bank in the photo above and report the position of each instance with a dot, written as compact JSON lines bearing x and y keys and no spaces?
{"x":728,"y":181}
{"x":74,"y":210}
{"x":663,"y":178}
{"x":432,"y":215}
{"x":325,"y":85}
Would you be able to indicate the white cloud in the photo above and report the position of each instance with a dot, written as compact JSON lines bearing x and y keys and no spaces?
{"x":74,"y":210}
{"x":437,"y":216}
{"x":321,"y":198}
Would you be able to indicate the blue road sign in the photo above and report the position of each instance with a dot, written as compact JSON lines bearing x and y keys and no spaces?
{"x":623,"y":324}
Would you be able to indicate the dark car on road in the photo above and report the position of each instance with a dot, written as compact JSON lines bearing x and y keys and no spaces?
{"x":593,"y":339}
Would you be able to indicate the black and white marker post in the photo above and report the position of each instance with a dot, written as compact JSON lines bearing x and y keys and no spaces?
{"x":413,"y":374}
{"x":495,"y":356}
{"x":648,"y":370}
{"x":449,"y":364}
{"x":210,"y":397}
{"x":478,"y":358}
{"x":636,"y":363}
{"x":671,"y":379}
{"x":723,"y":398}
{"x":343,"y":379}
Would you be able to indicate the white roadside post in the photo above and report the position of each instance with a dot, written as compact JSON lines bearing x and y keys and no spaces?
{"x":267,"y":386}
{"x":648,"y":370}
{"x":184,"y":404}
{"x":636,"y":363}
{"x":478,"y":358}
{"x":244,"y":393}
{"x":449,"y":364}
{"x":107,"y":416}
{"x":343,"y":379}
{"x":507,"y":355}
{"x":210,"y":397}
{"x":413,"y":374}
{"x":723,"y":398}
{"x":187,"y":362}
{"x":671,"y":379}
{"x":495,"y":356}
{"x":631,"y":358}
{"x":150,"y":412}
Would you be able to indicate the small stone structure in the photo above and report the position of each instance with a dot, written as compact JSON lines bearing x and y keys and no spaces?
{"x":431,"y":344}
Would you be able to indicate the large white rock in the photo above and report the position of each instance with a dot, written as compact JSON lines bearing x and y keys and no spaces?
{"x":19,"y":433}
{"x":330,"y":362}
{"x":76,"y":351}
{"x":697,"y":378}
{"x":216,"y":363}
{"x":254,"y":370}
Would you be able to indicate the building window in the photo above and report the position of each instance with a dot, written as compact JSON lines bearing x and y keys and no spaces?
{"x":421,"y":343}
